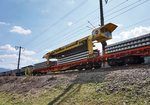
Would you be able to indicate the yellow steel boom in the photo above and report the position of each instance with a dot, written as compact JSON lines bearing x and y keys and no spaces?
{"x":99,"y":34}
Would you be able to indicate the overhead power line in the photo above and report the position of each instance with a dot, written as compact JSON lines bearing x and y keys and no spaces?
{"x":118,"y":5}
{"x":119,"y":30}
{"x":128,"y":10}
{"x":60,"y":42}
{"x":83,"y":18}
{"x":122,"y":8}
{"x":58,"y":21}
{"x":64,"y":30}
{"x":147,"y":19}
{"x":142,"y":21}
{"x":64,"y":35}
{"x":80,"y":27}
{"x":70,"y":33}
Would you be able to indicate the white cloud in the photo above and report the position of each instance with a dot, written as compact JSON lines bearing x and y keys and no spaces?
{"x":98,"y":46}
{"x":27,"y":61}
{"x":9,"y":66}
{"x":8,"y":48}
{"x":69,"y":23}
{"x":20,"y":30}
{"x":137,"y":31}
{"x":3,"y":23}
{"x":119,"y":25}
{"x":12,"y":59}
{"x":9,"y":60}
{"x":48,"y":50}
{"x":1,"y":60}
{"x":8,"y":56}
{"x":27,"y":52}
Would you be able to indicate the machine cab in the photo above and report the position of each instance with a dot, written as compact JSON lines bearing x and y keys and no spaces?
{"x":103,"y":33}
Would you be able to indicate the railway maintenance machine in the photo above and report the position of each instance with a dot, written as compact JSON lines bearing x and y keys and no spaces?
{"x":83,"y":48}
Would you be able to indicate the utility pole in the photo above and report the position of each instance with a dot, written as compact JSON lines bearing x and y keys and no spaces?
{"x":104,"y":43}
{"x":101,"y":12}
{"x":19,"y":47}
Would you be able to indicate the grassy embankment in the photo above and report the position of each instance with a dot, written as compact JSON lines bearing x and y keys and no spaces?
{"x":81,"y":94}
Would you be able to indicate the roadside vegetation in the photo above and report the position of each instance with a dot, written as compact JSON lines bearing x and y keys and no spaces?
{"x":119,"y":87}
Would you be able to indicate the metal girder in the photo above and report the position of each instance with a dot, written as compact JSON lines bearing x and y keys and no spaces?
{"x":142,"y":51}
{"x":133,"y":43}
{"x":76,"y":57}
{"x":100,"y":34}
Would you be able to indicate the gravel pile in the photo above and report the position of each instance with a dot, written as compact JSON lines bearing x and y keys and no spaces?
{"x":118,"y":78}
{"x":133,"y":82}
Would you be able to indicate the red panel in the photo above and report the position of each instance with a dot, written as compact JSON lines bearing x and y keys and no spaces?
{"x":143,"y":51}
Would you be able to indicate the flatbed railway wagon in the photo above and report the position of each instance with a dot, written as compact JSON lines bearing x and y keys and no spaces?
{"x":80,"y":54}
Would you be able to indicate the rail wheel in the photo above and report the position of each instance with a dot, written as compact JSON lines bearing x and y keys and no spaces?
{"x":120,"y":62}
{"x":134,"y":60}
{"x":112,"y":62}
{"x":140,"y":60}
{"x":97,"y":65}
{"x":88,"y":66}
{"x":79,"y":68}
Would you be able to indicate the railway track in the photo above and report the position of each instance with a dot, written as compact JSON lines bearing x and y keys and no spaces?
{"x":126,"y":67}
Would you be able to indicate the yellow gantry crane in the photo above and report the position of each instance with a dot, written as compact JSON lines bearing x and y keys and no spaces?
{"x":100,"y":34}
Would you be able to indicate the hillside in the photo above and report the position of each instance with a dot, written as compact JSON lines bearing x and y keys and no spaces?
{"x":119,"y":86}
{"x":3,"y":70}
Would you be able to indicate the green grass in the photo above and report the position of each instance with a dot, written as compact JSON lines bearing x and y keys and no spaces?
{"x":77,"y":94}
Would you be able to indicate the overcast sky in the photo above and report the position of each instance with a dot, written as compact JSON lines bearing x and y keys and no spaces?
{"x":44,"y":25}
